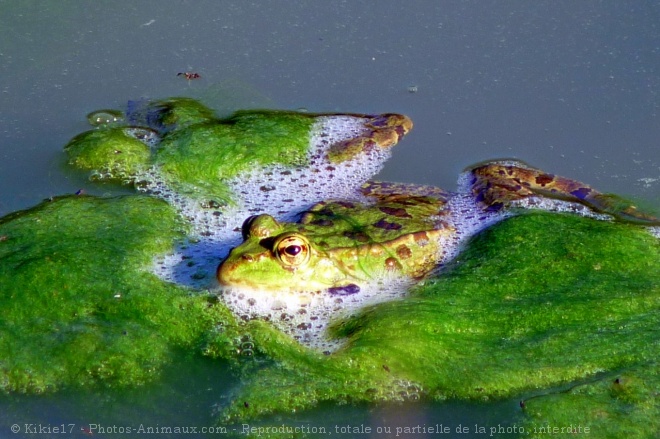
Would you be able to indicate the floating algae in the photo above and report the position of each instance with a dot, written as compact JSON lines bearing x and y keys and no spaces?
{"x":533,"y":303}
{"x":78,"y":306}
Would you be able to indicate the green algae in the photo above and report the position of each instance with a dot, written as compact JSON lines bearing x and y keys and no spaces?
{"x":79,"y":306}
{"x":108,"y":151}
{"x":179,"y":113}
{"x":621,"y":404}
{"x":201,"y":158}
{"x":534,"y":302}
{"x":198,"y":152}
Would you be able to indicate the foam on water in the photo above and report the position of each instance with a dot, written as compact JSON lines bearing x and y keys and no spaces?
{"x":306,"y":315}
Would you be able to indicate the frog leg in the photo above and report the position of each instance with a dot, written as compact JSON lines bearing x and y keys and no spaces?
{"x":497,"y":183}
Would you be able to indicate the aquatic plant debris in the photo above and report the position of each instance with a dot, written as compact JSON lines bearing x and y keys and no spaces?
{"x":532,"y":304}
{"x":78,"y":306}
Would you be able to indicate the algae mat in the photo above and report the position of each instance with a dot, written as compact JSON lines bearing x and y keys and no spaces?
{"x":534,"y":302}
{"x":79,"y":306}
{"x":558,"y":311}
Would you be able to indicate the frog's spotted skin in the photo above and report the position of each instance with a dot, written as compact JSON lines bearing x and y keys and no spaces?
{"x":499,"y":184}
{"x":382,"y":132}
{"x":344,"y":255}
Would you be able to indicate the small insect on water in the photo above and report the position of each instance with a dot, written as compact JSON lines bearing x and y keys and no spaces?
{"x":189,"y":75}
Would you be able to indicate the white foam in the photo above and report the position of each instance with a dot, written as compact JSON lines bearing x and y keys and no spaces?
{"x":306,"y":315}
{"x":467,"y":217}
{"x":280,"y":190}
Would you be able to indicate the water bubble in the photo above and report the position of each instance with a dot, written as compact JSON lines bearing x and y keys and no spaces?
{"x":102,"y":118}
{"x":145,"y":135}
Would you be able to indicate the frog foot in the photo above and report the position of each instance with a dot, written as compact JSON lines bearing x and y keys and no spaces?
{"x":496,"y":184}
{"x":382,"y":131}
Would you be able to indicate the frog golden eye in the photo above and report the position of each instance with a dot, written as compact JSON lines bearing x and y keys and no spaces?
{"x":292,"y":250}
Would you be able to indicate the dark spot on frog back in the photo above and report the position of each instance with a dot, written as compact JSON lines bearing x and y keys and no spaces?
{"x":392,"y":264}
{"x":403,"y":251}
{"x":581,"y":193}
{"x":323,"y":222}
{"x":398,"y":212}
{"x":421,"y":238}
{"x":386,"y":225}
{"x":356,"y":236}
{"x":544,"y":179}
{"x":346,"y":204}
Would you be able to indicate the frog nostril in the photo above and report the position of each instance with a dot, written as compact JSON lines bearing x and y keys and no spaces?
{"x":248,"y":258}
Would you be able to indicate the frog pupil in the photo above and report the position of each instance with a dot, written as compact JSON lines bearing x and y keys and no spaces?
{"x":292,"y":250}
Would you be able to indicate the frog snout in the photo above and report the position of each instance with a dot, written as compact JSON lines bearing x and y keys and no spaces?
{"x":226,"y":272}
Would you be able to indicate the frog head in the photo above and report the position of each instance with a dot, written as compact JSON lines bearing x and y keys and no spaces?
{"x":278,"y":256}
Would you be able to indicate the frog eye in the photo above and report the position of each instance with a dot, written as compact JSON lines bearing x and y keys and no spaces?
{"x":292,"y":250}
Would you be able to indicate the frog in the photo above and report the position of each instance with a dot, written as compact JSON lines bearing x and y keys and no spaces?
{"x":339,"y":244}
{"x":301,"y":275}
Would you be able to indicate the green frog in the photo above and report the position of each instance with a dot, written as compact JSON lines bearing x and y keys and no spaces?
{"x":339,"y":245}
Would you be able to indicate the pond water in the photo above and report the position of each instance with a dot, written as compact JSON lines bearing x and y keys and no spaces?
{"x":571,"y":87}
